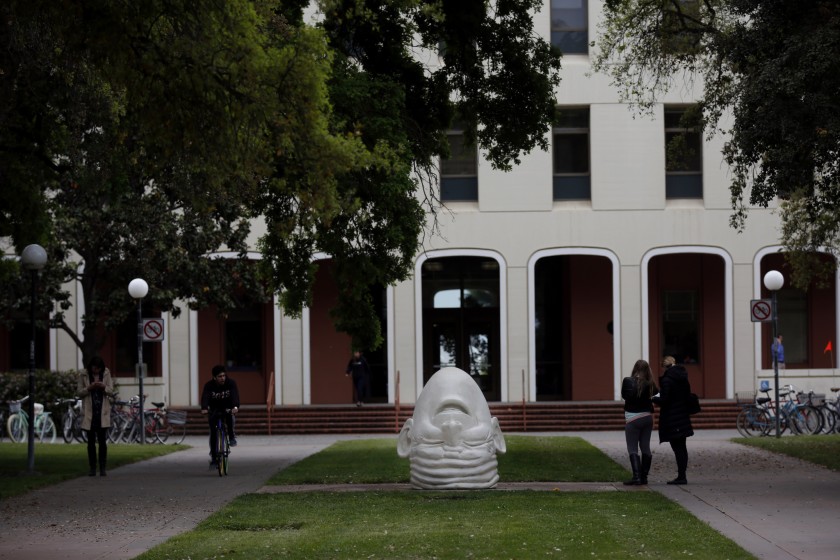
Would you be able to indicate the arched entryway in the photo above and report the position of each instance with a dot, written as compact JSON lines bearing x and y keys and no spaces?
{"x":330,"y":349}
{"x":573,"y":325}
{"x":460,"y":324}
{"x":688,"y":309}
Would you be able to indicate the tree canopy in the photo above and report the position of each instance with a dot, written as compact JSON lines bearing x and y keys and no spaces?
{"x":774,"y":67}
{"x":137,"y":139}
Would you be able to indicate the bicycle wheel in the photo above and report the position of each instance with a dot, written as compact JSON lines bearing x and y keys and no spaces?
{"x":16,"y":428}
{"x":221,"y":460}
{"x":162,"y":429}
{"x":829,"y":422}
{"x":68,"y":426}
{"x":47,"y":431}
{"x":752,"y":422}
{"x":806,"y":420}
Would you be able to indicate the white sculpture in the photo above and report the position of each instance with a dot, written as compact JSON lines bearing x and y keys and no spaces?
{"x":451,"y":441}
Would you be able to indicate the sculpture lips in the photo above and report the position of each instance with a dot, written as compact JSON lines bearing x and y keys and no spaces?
{"x":451,"y":440}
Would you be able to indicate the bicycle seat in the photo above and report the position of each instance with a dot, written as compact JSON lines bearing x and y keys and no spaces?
{"x":763,"y":400}
{"x":159,"y":404}
{"x":835,"y":389}
{"x":39,"y":408}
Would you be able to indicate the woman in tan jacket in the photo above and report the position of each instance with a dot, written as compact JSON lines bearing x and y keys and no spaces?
{"x":95,"y":387}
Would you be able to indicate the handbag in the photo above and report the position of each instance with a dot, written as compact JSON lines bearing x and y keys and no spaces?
{"x":693,"y":403}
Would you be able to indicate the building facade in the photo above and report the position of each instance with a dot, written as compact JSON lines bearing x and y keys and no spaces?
{"x":546,"y":283}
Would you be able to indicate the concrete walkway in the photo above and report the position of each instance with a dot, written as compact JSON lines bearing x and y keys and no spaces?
{"x":772,"y":506}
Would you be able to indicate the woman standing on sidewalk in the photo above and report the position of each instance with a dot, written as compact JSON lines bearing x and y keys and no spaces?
{"x":637,"y":392}
{"x":674,"y":419}
{"x":96,"y":388}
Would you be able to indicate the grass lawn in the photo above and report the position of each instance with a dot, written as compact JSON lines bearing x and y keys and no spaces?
{"x":528,"y":458}
{"x":59,"y":461}
{"x":820,"y":449}
{"x":466,"y":524}
{"x":442,"y":525}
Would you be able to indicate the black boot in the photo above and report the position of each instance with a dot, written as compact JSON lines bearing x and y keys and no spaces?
{"x":636,"y":465}
{"x":680,"y":480}
{"x":91,"y":460}
{"x":646,"y":461}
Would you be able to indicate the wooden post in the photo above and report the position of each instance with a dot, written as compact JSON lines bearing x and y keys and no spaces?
{"x":524,"y":407}
{"x":269,"y":401}
{"x":397,"y":404}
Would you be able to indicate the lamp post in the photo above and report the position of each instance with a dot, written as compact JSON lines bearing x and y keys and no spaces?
{"x":33,"y":257}
{"x":774,"y":281}
{"x":138,"y":288}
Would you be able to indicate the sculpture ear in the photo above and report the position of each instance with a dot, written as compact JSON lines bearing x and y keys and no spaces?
{"x":404,"y":440}
{"x":498,"y":438}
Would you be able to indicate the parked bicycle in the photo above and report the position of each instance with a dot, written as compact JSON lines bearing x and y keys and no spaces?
{"x":71,"y":420}
{"x":17,"y":424}
{"x":169,"y":424}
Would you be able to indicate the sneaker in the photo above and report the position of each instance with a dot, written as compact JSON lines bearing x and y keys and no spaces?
{"x":678,"y":481}
{"x":214,"y":464}
{"x":233,"y":442}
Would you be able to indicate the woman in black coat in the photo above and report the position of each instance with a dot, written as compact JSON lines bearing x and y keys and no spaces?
{"x":674,"y":419}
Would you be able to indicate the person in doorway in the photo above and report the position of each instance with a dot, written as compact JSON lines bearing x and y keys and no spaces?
{"x":779,"y":351}
{"x":96,"y":389}
{"x":638,"y":391}
{"x":358,"y":368}
{"x":674,"y":420}
{"x":220,"y":397}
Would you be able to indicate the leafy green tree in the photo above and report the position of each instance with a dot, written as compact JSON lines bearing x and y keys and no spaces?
{"x":385,"y":92}
{"x":144,"y":136}
{"x":774,"y":68}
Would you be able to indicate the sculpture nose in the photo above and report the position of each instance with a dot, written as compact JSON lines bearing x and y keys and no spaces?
{"x":452,"y":432}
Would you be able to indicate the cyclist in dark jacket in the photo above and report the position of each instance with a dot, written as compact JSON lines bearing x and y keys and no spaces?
{"x":219,"y":395}
{"x":674,"y":420}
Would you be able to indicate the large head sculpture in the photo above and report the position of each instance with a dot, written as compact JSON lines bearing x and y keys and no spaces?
{"x":451,"y":441}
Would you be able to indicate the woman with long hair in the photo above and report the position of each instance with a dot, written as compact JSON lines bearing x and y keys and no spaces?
{"x":96,"y":388}
{"x":637,"y":392}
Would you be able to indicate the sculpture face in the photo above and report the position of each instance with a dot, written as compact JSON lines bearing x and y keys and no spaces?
{"x":451,"y":440}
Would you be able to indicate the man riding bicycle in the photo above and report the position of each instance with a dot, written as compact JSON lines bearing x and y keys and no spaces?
{"x":220,"y":394}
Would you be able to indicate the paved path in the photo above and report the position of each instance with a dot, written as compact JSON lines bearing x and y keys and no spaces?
{"x":775,"y":507}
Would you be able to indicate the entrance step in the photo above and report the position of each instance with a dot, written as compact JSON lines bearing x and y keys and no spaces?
{"x":513,"y":417}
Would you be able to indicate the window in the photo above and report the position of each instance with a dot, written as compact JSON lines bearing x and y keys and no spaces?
{"x":569,"y":26}
{"x":680,"y":325}
{"x":683,"y":153}
{"x":243,"y":339}
{"x":571,"y":155}
{"x":459,"y":173}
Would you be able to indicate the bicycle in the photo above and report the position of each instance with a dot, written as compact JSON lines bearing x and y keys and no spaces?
{"x":169,"y":423}
{"x":71,"y":421}
{"x":221,"y":446}
{"x":126,"y":425}
{"x":17,"y":424}
{"x":754,"y":419}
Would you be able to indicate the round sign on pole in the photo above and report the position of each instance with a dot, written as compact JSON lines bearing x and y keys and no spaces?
{"x":761,"y":310}
{"x":153,"y":330}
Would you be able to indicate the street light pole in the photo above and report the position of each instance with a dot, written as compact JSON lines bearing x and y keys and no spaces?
{"x":33,"y":257}
{"x":774,"y":281}
{"x":138,"y":288}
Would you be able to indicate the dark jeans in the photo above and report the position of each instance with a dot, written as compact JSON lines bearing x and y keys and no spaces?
{"x":361,"y":385}
{"x":94,"y":436}
{"x":681,"y":455}
{"x":229,"y":423}
{"x":637,"y":434}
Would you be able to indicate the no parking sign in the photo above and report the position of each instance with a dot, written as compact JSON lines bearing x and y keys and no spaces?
{"x":760,"y":310}
{"x":153,"y":330}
